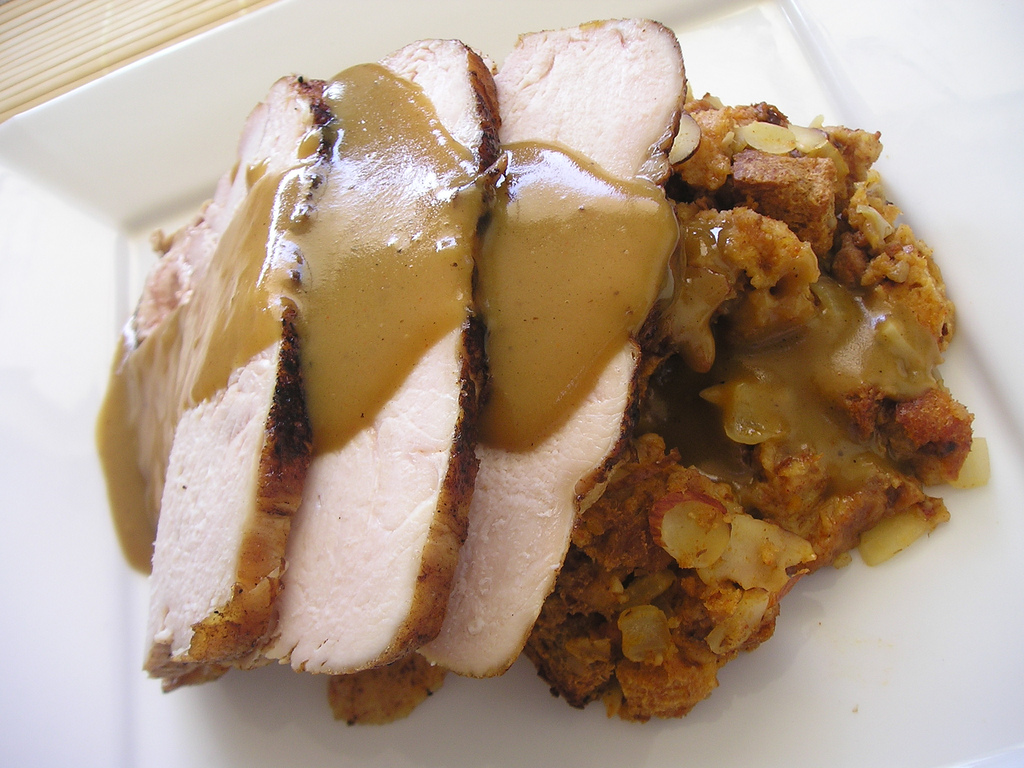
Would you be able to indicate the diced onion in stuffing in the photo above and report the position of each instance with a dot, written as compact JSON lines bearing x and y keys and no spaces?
{"x":975,"y":471}
{"x":892,"y":535}
{"x":645,"y":634}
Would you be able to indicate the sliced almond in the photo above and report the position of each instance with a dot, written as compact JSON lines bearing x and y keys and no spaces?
{"x":759,"y":555}
{"x":687,"y":140}
{"x":767,"y":137}
{"x":894,"y":534}
{"x":808,"y":139}
{"x":690,"y":527}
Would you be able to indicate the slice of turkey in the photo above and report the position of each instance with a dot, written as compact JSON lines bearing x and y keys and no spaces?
{"x":268,"y":139}
{"x":374,"y":544}
{"x":235,"y":466}
{"x":612,"y":91}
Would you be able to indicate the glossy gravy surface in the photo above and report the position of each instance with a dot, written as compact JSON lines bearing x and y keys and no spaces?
{"x":379,"y":265}
{"x":232,"y":315}
{"x":573,"y":259}
{"x":388,"y":249}
{"x":788,"y":390}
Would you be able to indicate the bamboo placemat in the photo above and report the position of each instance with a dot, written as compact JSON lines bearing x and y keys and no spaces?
{"x":48,"y":47}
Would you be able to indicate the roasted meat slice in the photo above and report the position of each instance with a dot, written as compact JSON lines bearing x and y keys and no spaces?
{"x":139,"y":416}
{"x":374,"y":544}
{"x":610,"y":91}
{"x":213,"y":399}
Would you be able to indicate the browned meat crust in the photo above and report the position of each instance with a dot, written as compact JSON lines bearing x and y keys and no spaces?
{"x":233,"y":634}
{"x":449,"y":525}
{"x":448,"y":530}
{"x":243,"y":625}
{"x":487,"y":109}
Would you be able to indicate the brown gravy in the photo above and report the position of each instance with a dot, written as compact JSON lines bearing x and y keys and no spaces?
{"x":232,"y":315}
{"x":381,"y":267}
{"x":786,"y":389}
{"x":380,"y":271}
{"x":573,"y":260}
{"x":388,"y":250}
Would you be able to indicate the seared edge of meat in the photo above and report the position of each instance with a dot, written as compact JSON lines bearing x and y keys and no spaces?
{"x":232,"y":632}
{"x":231,"y":635}
{"x":467,"y":106}
{"x":477,"y":129}
{"x":183,"y":260}
{"x":448,"y":529}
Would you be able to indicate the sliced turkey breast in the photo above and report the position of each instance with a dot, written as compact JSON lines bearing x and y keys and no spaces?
{"x":215,"y":398}
{"x":461,"y":87}
{"x":611,"y":91}
{"x":374,"y":544}
{"x":234,"y":478}
{"x":136,"y":428}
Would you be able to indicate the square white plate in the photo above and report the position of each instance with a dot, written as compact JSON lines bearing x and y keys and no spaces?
{"x":914,"y":663}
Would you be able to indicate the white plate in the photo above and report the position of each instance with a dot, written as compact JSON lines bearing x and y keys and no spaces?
{"x":915,"y":663}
